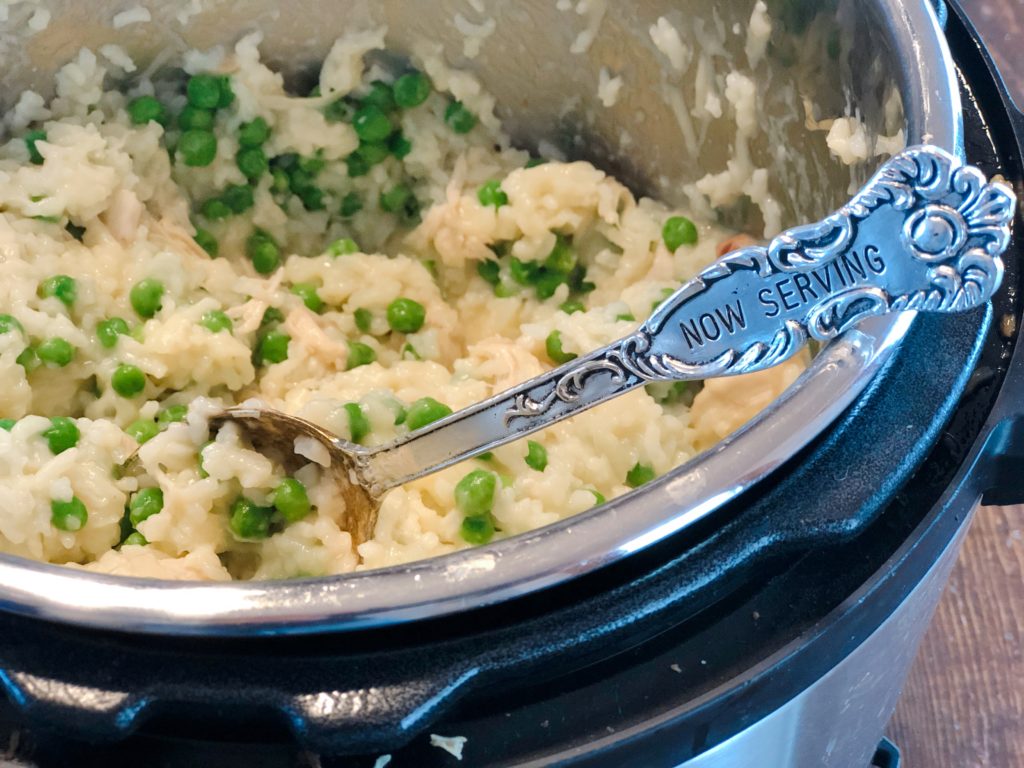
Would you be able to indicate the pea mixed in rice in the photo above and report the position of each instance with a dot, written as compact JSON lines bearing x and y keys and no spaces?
{"x":369,"y":256}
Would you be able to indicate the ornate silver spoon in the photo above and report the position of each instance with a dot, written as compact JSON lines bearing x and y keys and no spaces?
{"x":925,"y":233}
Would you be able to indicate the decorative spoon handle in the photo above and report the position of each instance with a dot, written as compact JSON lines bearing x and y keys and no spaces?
{"x":925,"y":233}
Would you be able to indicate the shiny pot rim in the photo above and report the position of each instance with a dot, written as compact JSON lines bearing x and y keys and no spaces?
{"x":556,"y":553}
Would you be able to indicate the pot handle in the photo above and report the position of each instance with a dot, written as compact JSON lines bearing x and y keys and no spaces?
{"x":103,"y":707}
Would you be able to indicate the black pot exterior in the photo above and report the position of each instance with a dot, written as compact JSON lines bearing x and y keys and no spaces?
{"x":649,"y":662}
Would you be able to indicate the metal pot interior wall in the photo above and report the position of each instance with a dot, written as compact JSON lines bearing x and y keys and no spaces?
{"x":544,"y":66}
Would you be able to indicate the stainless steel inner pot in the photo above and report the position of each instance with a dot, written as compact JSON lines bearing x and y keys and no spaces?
{"x":543,"y":63}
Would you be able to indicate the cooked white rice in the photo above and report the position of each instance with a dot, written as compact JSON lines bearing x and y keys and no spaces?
{"x":115,"y":180}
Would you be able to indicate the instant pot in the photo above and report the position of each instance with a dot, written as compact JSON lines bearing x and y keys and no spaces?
{"x":760,"y":606}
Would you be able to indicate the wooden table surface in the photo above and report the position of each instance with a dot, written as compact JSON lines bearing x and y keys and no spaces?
{"x":963,"y":706}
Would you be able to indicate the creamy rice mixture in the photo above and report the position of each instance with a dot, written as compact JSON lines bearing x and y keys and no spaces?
{"x":196,"y":242}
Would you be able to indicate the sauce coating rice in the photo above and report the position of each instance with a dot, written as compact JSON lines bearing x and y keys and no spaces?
{"x":367,"y":256}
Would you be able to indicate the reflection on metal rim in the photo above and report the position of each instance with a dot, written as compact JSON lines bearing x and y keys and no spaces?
{"x":557,"y":553}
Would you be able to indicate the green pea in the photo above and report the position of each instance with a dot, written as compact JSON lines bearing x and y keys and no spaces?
{"x":628,"y":317}
{"x":678,"y":231}
{"x":61,"y":435}
{"x":364,"y":319}
{"x":252,"y":162}
{"x":263,"y":252}
{"x":247,"y":520}
{"x":670,"y":393}
{"x":279,"y":181}
{"x":380,"y":96}
{"x":172,"y":414}
{"x":562,"y":258}
{"x":61,"y":287}
{"x":459,"y":119}
{"x":227,"y":95}
{"x":406,"y":315}
{"x":128,"y":380}
{"x":204,"y":91}
{"x":477,"y":529}
{"x":205,"y":240}
{"x":639,"y":474}
{"x":351,"y":204}
{"x":409,"y":353}
{"x":142,"y":431}
{"x":108,"y":331}
{"x":343,"y":247}
{"x":359,"y":354}
{"x":147,"y":108}
{"x":524,"y":272}
{"x":146,"y":297}
{"x":144,"y":504}
{"x":338,"y":111}
{"x":193,"y":118}
{"x":536,"y":455}
{"x":134,"y":539}
{"x":312,"y":198}
{"x":238,"y":197}
{"x":197,"y":147}
{"x":490,"y":271}
{"x":312,"y":164}
{"x":400,"y":413}
{"x":69,"y":516}
{"x":28,"y":359}
{"x":358,"y":424}
{"x":571,"y":306}
{"x":215,"y":209}
{"x":533,"y":162}
{"x":491,"y":193}
{"x":291,"y":500}
{"x":300,"y":179}
{"x":273,"y":347}
{"x":553,"y":346}
{"x":216,"y":321}
{"x":599,"y":498}
{"x":271,"y":315}
{"x":307,"y":292}
{"x":411,"y":90}
{"x":357,"y":165}
{"x":56,"y":352}
{"x":31,"y":138}
{"x":395,"y":199}
{"x":371,"y":124}
{"x":399,"y":145}
{"x":547,"y":283}
{"x":425,"y":411}
{"x":7,"y":424}
{"x":10,"y":323}
{"x":474,"y":494}
{"x":253,"y":133}
{"x":374,"y":152}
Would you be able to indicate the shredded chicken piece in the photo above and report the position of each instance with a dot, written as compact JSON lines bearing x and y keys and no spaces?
{"x":301,"y":324}
{"x":123,"y":216}
{"x":733,"y":243}
{"x":247,"y":317}
{"x":172,"y":231}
